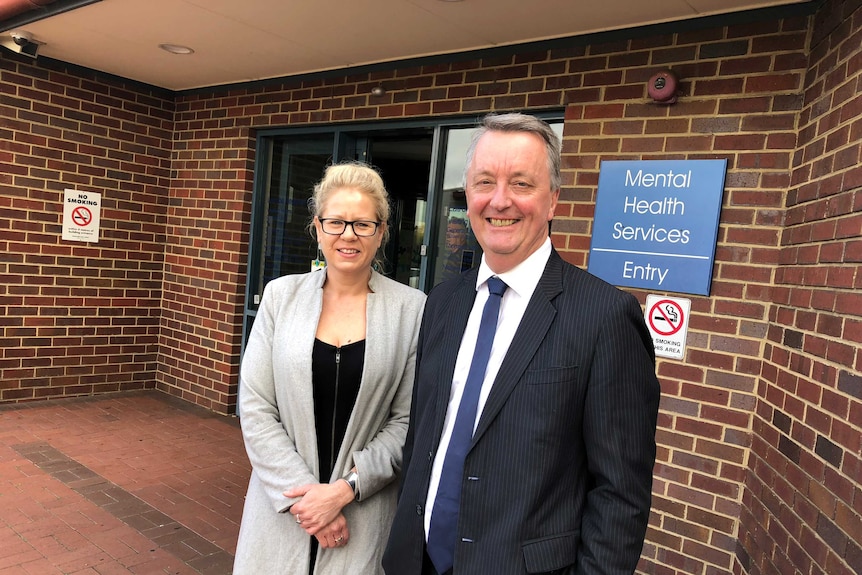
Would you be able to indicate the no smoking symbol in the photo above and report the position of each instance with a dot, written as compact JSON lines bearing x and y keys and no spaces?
{"x":666,"y":317}
{"x":82,"y":216}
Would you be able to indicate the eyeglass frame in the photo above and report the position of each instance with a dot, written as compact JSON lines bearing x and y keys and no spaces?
{"x":349,"y":223}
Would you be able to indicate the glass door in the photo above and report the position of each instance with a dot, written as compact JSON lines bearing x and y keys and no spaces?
{"x":404,"y":160}
{"x":422,"y":165}
{"x":280,"y":242}
{"x":456,"y":249}
{"x":288,"y":168}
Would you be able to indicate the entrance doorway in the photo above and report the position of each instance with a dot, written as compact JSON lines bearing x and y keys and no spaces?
{"x":421,"y":163}
{"x":403,"y":158}
{"x":291,"y":164}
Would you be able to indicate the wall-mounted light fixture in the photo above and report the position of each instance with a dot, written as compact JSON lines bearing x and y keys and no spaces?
{"x":20,"y":42}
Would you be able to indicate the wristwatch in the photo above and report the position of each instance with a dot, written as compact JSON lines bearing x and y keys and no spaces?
{"x":352,"y":480}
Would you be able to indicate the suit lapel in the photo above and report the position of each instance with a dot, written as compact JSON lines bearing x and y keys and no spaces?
{"x":539,"y":315}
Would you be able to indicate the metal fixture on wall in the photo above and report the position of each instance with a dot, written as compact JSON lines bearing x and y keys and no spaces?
{"x":20,"y":42}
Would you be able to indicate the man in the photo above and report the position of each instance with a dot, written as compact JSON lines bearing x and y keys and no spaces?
{"x":557,"y":475}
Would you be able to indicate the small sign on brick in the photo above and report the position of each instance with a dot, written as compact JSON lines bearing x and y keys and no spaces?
{"x":667,"y":319}
{"x":81,"y":215}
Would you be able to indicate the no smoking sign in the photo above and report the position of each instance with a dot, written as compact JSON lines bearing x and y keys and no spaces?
{"x":667,"y":319}
{"x":81,"y":214}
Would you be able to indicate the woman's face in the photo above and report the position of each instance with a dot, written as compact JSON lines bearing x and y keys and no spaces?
{"x":349,"y":253}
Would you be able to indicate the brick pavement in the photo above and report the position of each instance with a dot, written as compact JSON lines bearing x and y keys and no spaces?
{"x":136,"y":483}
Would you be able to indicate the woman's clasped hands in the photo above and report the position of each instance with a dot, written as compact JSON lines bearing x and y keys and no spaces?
{"x":319,"y":511}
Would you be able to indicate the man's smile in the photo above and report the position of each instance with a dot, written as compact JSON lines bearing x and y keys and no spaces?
{"x":497,"y":223}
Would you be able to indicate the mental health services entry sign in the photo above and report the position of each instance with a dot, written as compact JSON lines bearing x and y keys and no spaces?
{"x":656,"y":224}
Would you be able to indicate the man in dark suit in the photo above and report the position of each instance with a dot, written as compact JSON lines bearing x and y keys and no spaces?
{"x":557,"y":474}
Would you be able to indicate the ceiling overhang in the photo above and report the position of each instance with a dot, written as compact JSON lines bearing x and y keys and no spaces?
{"x":255,"y":40}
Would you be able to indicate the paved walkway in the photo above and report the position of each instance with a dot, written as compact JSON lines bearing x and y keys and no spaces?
{"x":138,"y":483}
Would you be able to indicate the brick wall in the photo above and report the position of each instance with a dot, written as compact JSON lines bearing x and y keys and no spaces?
{"x":740,"y":102}
{"x":79,"y":318}
{"x":803,"y":503}
{"x":759,"y":436}
{"x":742,"y":97}
{"x":207,"y":245}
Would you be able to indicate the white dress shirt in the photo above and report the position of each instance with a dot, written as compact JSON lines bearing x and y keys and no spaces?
{"x":521,"y":281}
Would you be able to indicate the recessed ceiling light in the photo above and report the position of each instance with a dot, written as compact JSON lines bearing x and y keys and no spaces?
{"x":176,"y":49}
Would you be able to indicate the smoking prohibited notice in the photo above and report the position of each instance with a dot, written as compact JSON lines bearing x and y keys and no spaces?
{"x":81,"y":211}
{"x":667,"y":319}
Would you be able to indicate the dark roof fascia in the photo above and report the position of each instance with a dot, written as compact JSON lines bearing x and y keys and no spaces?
{"x":41,"y":12}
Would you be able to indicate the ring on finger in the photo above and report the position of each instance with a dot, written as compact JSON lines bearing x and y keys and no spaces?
{"x":339,"y":539}
{"x":298,"y":520}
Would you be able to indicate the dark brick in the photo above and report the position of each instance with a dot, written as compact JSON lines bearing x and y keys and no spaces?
{"x":793,"y":338}
{"x":829,"y":451}
{"x":832,"y":534}
{"x":781,"y":421}
{"x":789,"y":448}
{"x":724,"y":49}
{"x":850,"y":383}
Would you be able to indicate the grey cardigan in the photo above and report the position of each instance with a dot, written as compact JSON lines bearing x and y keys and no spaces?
{"x":277,"y":417}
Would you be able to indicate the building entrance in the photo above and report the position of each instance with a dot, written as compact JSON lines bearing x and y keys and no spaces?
{"x":422,"y":166}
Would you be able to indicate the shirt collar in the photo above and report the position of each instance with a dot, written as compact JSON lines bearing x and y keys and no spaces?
{"x":524,"y":277}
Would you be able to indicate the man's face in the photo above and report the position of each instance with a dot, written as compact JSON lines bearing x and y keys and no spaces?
{"x":509,"y":197}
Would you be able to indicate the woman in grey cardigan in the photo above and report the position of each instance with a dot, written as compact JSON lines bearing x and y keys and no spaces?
{"x":325,"y":388}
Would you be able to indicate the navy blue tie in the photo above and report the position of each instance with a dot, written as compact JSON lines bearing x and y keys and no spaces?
{"x":443,"y":531}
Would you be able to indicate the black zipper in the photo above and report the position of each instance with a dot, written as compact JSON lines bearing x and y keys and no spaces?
{"x":335,"y":407}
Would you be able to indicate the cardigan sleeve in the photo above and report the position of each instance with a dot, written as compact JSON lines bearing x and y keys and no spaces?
{"x":271,"y":451}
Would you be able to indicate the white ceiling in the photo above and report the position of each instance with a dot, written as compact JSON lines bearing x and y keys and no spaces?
{"x":245,"y":40}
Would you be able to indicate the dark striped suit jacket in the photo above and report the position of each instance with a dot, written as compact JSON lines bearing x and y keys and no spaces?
{"x":559,"y":476}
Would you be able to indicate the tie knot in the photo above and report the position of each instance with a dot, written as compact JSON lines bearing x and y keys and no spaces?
{"x":496,"y":286}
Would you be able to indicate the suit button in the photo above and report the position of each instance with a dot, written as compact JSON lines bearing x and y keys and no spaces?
{"x":419,"y":510}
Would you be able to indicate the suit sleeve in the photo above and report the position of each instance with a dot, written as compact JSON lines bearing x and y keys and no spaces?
{"x":619,"y":434}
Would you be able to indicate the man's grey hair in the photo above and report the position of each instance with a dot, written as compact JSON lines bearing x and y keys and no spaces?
{"x":515,"y":122}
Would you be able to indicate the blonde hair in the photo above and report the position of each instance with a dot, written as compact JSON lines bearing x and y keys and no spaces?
{"x":359,"y":176}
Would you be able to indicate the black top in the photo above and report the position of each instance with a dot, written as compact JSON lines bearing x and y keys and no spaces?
{"x":335,"y":376}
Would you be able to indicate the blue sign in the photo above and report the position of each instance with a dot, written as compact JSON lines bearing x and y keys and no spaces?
{"x":656,"y":224}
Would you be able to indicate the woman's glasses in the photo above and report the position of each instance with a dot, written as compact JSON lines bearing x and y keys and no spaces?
{"x":336,"y":227}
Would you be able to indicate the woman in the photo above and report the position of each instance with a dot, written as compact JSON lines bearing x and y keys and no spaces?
{"x":325,"y":389}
